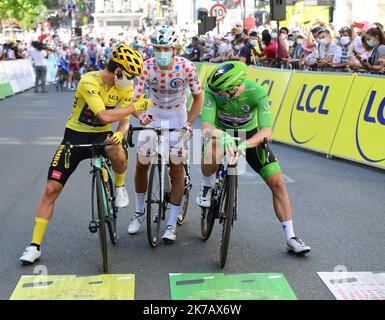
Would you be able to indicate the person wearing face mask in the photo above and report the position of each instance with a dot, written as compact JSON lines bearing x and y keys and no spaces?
{"x":345,"y":43}
{"x":297,"y":51}
{"x":375,"y":39}
{"x":95,"y":107}
{"x":167,"y":78}
{"x":359,"y":53}
{"x":248,"y":54}
{"x":327,"y":49}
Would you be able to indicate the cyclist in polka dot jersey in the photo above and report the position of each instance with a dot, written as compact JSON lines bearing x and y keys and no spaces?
{"x":168,"y":89}
{"x":166,"y":79}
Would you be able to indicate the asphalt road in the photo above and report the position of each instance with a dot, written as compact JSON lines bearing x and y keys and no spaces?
{"x":338,"y":210}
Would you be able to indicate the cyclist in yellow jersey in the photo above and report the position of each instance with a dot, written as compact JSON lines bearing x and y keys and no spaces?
{"x":94,"y":107}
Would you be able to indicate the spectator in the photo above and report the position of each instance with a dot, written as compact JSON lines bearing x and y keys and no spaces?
{"x":309,"y":59}
{"x":376,"y":40}
{"x":248,"y":53}
{"x":345,"y":44}
{"x":298,"y":50}
{"x":326,"y":48}
{"x":38,"y":56}
{"x":196,"y":50}
{"x":269,"y":52}
{"x":359,"y":52}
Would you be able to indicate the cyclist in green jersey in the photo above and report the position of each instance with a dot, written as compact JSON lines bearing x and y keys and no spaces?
{"x":236,"y":107}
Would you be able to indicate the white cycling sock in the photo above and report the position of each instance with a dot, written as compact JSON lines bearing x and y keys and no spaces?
{"x":173,"y":217}
{"x":288,"y":229}
{"x":208,"y":181}
{"x":139,"y":204}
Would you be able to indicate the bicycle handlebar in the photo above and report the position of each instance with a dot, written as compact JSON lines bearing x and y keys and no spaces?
{"x":95,"y":147}
{"x":131,"y":130}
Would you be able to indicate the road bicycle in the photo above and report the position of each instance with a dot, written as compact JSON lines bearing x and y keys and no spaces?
{"x":159,"y":187}
{"x":223,"y":205}
{"x":103,"y":209}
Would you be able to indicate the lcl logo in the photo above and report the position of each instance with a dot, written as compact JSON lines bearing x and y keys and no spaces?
{"x":306,"y":103}
{"x":373,"y":117}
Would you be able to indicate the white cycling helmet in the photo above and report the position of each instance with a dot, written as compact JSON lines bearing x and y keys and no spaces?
{"x":165,"y":36}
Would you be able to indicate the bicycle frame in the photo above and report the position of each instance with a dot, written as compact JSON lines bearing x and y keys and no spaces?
{"x":100,"y":163}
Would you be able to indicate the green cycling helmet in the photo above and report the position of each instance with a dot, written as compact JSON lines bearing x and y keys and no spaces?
{"x":227,"y":75}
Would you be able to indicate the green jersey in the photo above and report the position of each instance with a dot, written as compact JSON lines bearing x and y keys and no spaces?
{"x":248,"y":111}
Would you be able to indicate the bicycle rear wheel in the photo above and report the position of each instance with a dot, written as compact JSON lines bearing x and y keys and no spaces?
{"x":155,"y":205}
{"x":186,"y":196}
{"x":229,"y":212}
{"x":102,"y":212}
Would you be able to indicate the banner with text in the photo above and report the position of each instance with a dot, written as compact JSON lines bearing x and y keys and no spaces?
{"x":311,"y":110}
{"x":361,"y":134}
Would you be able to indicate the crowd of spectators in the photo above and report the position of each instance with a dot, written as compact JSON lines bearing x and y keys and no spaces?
{"x":358,"y":48}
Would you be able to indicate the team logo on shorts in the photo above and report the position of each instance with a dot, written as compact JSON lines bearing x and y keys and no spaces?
{"x":176,"y":83}
{"x":245,"y":108}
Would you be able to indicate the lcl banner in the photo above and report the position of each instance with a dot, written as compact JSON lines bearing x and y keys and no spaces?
{"x":361,"y":134}
{"x":312,"y":109}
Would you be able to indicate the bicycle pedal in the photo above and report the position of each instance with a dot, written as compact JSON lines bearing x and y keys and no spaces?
{"x":93,"y":227}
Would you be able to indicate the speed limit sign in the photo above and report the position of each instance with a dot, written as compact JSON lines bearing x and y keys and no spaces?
{"x":218,"y":10}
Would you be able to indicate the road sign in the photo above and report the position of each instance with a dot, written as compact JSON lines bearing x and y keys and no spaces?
{"x":218,"y":10}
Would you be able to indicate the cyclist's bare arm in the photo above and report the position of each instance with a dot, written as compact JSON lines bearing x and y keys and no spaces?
{"x":257,"y":139}
{"x":196,"y":107}
{"x":108,"y":116}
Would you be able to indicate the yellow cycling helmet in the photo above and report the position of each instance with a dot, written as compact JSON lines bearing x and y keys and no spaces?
{"x":129,"y":59}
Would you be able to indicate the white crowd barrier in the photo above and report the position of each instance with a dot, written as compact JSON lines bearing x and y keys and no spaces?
{"x":19,"y":75}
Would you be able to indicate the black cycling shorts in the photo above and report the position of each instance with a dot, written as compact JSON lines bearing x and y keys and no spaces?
{"x":260,"y":160}
{"x":57,"y":171}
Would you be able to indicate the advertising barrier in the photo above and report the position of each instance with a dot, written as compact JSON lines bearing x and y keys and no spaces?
{"x":275,"y":82}
{"x":5,"y":86}
{"x":19,"y":73}
{"x":311,"y":109}
{"x":361,"y":133}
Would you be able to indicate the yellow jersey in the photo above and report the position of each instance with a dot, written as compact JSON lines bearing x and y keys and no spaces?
{"x":93,"y":96}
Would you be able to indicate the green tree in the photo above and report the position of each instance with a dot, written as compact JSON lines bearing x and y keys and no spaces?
{"x":26,"y":12}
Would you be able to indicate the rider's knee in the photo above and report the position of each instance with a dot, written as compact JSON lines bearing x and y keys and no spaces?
{"x":278,"y":186}
{"x":177,"y":156}
{"x":52,"y":190}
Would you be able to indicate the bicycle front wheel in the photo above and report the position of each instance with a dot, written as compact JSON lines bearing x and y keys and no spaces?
{"x":155,"y":205}
{"x":229,"y":212}
{"x":186,"y":195}
{"x":112,"y":211}
{"x":102,"y":213}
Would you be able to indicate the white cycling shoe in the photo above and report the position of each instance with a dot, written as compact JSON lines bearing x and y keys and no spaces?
{"x":30,"y":255}
{"x":136,"y":222}
{"x":204,"y":197}
{"x":121,"y":200}
{"x":170,"y":234}
{"x":298,"y":246}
